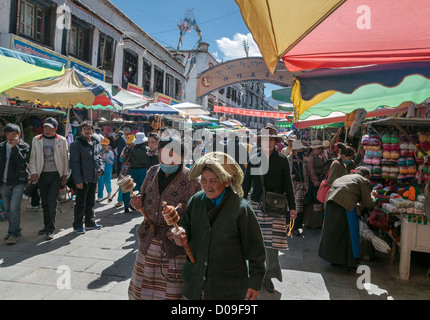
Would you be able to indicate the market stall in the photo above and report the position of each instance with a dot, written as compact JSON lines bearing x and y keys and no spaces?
{"x":397,"y":152}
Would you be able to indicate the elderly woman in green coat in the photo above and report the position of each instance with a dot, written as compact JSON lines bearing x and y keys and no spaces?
{"x":223,"y":234}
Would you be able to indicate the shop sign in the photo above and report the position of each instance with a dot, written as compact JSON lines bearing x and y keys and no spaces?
{"x":87,"y":69}
{"x":252,"y":113}
{"x":21,"y":45}
{"x":241,"y":70}
{"x":166,"y":99}
{"x":135,"y":89}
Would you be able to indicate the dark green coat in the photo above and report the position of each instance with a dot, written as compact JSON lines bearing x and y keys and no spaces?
{"x":229,"y":251}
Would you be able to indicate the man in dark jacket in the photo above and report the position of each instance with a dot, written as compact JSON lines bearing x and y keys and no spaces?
{"x":14,"y":158}
{"x":120,"y":145}
{"x":87,"y":166}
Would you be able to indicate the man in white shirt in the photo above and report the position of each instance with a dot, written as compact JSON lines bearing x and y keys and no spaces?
{"x":49,"y":165}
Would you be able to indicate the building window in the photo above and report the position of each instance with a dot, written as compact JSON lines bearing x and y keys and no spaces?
{"x":106,"y":52}
{"x":178,"y":90}
{"x":146,"y":76}
{"x":35,"y":21}
{"x":79,"y":39}
{"x":130,"y":68}
{"x":158,"y":80}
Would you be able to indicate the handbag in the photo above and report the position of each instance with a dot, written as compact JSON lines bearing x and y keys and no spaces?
{"x":273,"y":204}
{"x":324,"y":188}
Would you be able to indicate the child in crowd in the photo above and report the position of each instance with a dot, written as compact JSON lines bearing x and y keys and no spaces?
{"x":105,"y":179}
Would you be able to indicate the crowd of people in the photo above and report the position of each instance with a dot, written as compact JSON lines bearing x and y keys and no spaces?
{"x":215,"y":206}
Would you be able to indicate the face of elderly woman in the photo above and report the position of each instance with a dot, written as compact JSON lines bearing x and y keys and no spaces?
{"x":211,"y":184}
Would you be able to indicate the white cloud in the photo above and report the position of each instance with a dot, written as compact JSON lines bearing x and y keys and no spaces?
{"x":234,"y":48}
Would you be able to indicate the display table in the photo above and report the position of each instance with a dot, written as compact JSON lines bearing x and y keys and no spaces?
{"x":414,"y":237}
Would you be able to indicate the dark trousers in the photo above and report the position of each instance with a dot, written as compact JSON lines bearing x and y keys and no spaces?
{"x":84,"y":206}
{"x":49,"y":184}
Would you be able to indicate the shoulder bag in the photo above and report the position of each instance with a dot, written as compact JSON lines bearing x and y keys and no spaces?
{"x":273,"y":204}
{"x":324,"y":188}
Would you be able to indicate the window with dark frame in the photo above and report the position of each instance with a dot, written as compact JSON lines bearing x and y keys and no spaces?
{"x":35,"y":21}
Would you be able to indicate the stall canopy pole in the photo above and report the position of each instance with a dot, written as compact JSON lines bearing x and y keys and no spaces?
{"x":66,"y":129}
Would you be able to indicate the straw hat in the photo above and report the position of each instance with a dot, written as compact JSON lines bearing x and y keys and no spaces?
{"x":316,"y":144}
{"x":105,"y":142}
{"x":297,"y":145}
{"x":292,"y":137}
{"x":224,"y":166}
{"x":326,"y":143}
{"x":130,"y":139}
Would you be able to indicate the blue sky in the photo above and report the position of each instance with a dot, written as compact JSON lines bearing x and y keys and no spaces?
{"x":220,"y":22}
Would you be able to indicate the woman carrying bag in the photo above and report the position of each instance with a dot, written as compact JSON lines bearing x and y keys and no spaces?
{"x":277,"y":180}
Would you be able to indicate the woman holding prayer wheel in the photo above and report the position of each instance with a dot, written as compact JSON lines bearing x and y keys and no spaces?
{"x":223,"y":234}
{"x":157,"y":271}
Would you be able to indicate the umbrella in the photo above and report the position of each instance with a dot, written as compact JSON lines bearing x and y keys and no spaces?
{"x":158,"y":108}
{"x":277,"y":26}
{"x":70,"y":88}
{"x":192,"y":109}
{"x":18,"y":68}
{"x":357,"y":34}
{"x":124,"y":98}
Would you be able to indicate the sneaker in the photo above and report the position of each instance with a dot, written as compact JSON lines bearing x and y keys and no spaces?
{"x":109,"y":195}
{"x":32,"y":208}
{"x":99,"y":199}
{"x":49,"y":235}
{"x":12,"y":240}
{"x":93,"y":227}
{"x":42,"y":232}
{"x":79,"y":230}
{"x":126,"y":210}
{"x":119,"y":204}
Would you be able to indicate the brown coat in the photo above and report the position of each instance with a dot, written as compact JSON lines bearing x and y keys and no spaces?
{"x":180,"y":190}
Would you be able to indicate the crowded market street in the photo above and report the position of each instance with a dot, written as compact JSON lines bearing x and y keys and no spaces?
{"x":100,"y":264}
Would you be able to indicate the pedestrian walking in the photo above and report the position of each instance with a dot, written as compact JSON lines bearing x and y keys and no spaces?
{"x":313,"y":213}
{"x":159,"y":261}
{"x":340,"y":237}
{"x":121,"y":142}
{"x":14,"y":158}
{"x":124,"y":167}
{"x":105,"y":179}
{"x":138,"y":164}
{"x":48,"y":167}
{"x":223,"y":234}
{"x":276,"y":180}
{"x":87,"y":166}
{"x":299,"y":176}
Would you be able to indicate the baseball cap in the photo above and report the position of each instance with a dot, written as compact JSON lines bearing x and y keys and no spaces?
{"x":51,"y":122}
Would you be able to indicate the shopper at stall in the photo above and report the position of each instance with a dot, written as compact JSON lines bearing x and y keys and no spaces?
{"x":299,"y":176}
{"x":223,"y":234}
{"x":340,"y":237}
{"x":138,"y":164}
{"x":159,"y":261}
{"x":48,"y":167}
{"x":342,"y":165}
{"x":276,"y":180}
{"x":313,"y":213}
{"x":87,"y":166}
{"x":14,"y":158}
{"x":105,"y":179}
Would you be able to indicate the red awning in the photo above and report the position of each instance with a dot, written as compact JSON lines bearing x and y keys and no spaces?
{"x":366,"y":32}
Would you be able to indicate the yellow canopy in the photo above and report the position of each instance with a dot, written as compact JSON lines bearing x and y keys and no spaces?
{"x":63,"y":90}
{"x":278,"y":25}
